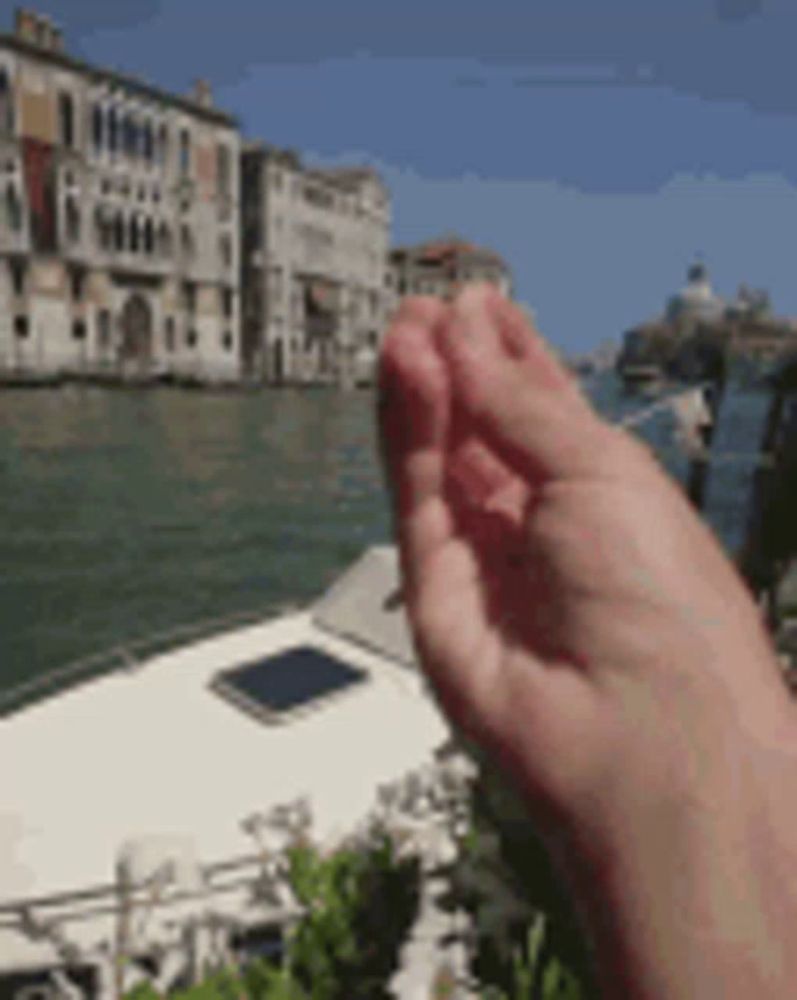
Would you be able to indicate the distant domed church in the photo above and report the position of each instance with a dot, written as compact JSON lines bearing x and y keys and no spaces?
{"x":696,"y":300}
{"x":700,"y":331}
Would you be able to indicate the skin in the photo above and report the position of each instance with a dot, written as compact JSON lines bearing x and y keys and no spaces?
{"x":580,"y":622}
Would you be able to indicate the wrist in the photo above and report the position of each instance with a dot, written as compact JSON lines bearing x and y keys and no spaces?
{"x":693,"y":900}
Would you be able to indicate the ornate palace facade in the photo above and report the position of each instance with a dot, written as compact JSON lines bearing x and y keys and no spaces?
{"x":118,"y":220}
{"x":315,"y":268}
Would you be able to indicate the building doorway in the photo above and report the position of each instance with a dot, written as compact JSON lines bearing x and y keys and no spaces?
{"x":135,"y":349}
{"x":278,"y":362}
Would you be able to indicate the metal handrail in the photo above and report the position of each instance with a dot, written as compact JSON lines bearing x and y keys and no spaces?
{"x":125,"y":656}
{"x":98,"y":893}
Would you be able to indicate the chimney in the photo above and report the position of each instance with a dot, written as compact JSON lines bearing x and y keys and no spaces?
{"x":38,"y":30}
{"x":26,"y":26}
{"x":56,"y":38}
{"x":202,"y":94}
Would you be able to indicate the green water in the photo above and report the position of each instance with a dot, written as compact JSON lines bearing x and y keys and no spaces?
{"x":126,"y":513}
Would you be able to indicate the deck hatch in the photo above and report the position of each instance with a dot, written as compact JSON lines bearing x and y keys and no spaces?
{"x":289,"y":681}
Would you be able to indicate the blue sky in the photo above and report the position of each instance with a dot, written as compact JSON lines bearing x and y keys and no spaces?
{"x":597,"y":144}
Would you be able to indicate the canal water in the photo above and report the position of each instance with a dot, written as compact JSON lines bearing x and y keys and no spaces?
{"x":126,"y":513}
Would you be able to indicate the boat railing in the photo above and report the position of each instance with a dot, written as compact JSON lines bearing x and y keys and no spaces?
{"x":108,"y":899}
{"x":127,"y":655}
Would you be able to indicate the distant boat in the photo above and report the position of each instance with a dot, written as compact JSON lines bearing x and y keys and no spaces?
{"x":641,"y":374}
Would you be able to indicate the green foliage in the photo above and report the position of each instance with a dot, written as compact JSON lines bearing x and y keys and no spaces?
{"x":360,"y":905}
{"x":144,"y":991}
{"x":535,"y":977}
{"x":527,"y":942}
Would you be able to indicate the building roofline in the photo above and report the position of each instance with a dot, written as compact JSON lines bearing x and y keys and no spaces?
{"x":132,"y":83}
{"x":344,"y":179}
{"x":434,"y":251}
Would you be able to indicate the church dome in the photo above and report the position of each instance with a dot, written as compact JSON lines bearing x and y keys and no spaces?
{"x":696,"y":300}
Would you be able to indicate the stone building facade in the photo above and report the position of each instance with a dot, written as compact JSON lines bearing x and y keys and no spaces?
{"x":441,"y":267}
{"x":315,"y":246}
{"x":119,"y":210}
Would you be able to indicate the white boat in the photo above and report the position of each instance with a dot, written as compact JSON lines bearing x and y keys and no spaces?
{"x":139,"y":810}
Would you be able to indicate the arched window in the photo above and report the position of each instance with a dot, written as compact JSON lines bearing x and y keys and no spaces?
{"x":187,"y":241}
{"x":225,"y":250}
{"x":164,"y":240}
{"x":104,"y":328}
{"x":168,"y":334}
{"x":66,"y":119}
{"x":163,"y":144}
{"x":13,"y":208}
{"x":19,"y":270}
{"x":147,"y":141}
{"x":149,"y":237}
{"x":113,"y":130}
{"x":119,"y":232}
{"x":223,"y":170}
{"x":130,"y":135}
{"x":185,"y":151}
{"x":72,"y":217}
{"x":6,"y":102}
{"x":98,"y":127}
{"x":134,"y":234}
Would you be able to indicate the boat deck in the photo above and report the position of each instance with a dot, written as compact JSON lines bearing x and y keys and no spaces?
{"x":153,"y":750}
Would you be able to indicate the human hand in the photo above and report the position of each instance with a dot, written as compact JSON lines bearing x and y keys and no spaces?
{"x":571,"y":611}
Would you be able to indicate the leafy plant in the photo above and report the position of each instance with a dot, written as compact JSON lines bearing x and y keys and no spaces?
{"x":360,"y":903}
{"x":526,"y":942}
